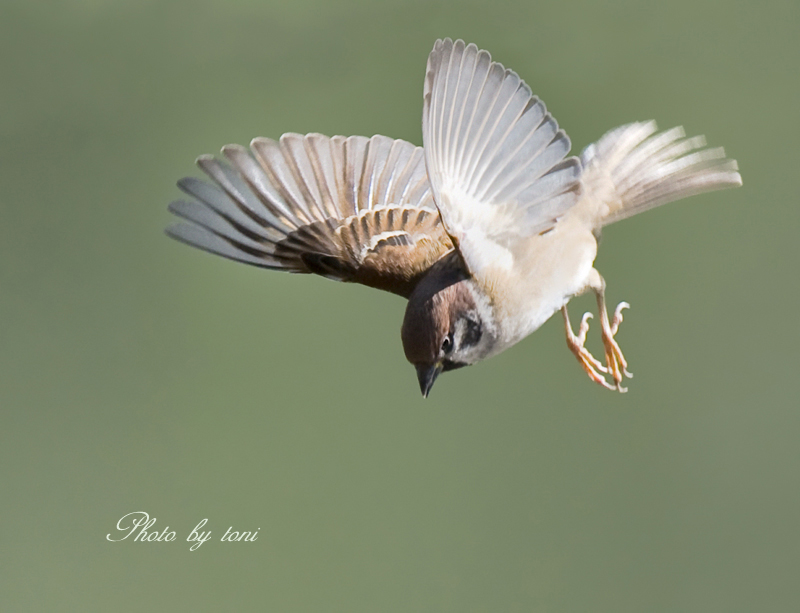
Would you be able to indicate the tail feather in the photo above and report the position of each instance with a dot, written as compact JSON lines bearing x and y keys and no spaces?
{"x":637,"y":169}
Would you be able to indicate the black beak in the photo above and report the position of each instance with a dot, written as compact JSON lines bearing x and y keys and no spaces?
{"x":427,"y":375}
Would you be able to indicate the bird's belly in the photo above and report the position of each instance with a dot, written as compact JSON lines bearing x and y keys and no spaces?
{"x":544,"y":280}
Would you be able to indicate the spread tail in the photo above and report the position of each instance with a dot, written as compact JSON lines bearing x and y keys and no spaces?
{"x":647,"y":170}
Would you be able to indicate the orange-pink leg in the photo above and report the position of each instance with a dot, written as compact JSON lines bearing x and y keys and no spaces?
{"x":576,"y":343}
{"x":616,"y":366}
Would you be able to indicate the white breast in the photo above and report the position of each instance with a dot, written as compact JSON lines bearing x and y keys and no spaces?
{"x":554,"y":268}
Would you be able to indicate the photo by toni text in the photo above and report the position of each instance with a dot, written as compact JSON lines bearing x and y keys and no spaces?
{"x":136,"y":526}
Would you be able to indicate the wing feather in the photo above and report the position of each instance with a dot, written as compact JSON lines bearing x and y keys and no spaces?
{"x":495,"y":157}
{"x":353,"y":209}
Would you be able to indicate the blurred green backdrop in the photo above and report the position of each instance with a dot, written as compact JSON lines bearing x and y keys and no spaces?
{"x":137,"y":374}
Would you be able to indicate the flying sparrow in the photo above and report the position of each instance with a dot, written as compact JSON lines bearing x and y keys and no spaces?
{"x":487,"y":230}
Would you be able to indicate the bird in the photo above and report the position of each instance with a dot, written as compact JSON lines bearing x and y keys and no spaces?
{"x":487,"y":230}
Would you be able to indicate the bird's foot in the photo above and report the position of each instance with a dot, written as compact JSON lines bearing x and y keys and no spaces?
{"x":590,"y":364}
{"x":616,"y":365}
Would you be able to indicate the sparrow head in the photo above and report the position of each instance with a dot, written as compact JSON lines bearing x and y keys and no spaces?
{"x":445,"y":326}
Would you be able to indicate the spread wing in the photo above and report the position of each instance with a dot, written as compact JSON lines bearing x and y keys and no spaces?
{"x":348,"y":208}
{"x":495,"y":156}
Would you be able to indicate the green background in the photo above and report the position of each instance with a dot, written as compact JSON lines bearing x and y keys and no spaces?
{"x":137,"y":374}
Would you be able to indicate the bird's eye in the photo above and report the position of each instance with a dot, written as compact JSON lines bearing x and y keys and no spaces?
{"x":447,"y":344}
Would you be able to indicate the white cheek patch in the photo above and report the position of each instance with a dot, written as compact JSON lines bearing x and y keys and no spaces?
{"x":458,"y":333}
{"x":484,"y":310}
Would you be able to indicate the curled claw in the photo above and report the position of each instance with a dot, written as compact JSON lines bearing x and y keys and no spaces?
{"x":615,"y":360}
{"x":617,"y":320}
{"x":590,"y":364}
{"x":580,"y":340}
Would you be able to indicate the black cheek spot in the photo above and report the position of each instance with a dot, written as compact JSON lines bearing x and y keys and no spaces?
{"x":473,"y":333}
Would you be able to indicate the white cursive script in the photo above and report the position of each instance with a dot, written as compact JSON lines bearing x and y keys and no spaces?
{"x":141,"y":521}
{"x":198,"y":537}
{"x":247,"y":537}
{"x":136,"y":526}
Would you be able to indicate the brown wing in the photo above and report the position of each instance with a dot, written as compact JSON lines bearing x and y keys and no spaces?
{"x":351,"y":209}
